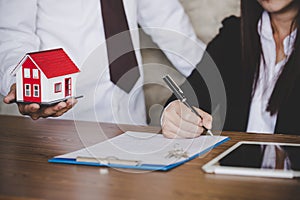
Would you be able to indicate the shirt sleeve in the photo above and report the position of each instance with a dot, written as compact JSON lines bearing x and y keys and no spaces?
{"x":17,"y":37}
{"x":170,"y":28}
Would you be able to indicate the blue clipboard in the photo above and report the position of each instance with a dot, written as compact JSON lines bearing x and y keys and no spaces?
{"x":137,"y":167}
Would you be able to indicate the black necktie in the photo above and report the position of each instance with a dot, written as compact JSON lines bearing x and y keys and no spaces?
{"x":123,"y":65}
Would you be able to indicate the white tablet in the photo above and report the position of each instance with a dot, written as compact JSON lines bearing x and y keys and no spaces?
{"x":281,"y":160}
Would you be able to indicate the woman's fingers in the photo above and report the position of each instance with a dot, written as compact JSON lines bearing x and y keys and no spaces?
{"x":179,"y":121}
{"x":176,"y":124}
{"x":206,"y":118}
{"x":172,"y":130}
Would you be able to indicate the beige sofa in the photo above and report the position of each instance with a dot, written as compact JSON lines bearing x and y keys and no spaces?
{"x":206,"y":17}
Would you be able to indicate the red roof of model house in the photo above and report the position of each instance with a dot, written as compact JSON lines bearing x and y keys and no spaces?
{"x":54,"y":63}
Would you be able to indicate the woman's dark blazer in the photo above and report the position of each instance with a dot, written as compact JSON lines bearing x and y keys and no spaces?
{"x":225,"y":51}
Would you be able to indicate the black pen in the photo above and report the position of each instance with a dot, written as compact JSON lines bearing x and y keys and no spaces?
{"x":180,"y":96}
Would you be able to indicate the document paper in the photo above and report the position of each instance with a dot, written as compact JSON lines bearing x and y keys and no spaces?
{"x":148,"y":148}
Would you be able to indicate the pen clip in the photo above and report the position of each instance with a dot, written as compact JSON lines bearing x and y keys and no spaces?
{"x":175,"y":88}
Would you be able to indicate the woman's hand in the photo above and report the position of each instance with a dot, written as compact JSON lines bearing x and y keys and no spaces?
{"x":178,"y":121}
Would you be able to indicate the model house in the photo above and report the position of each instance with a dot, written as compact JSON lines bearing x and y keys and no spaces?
{"x":45,"y":77}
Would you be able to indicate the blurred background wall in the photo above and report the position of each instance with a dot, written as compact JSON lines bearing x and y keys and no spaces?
{"x":206,"y":17}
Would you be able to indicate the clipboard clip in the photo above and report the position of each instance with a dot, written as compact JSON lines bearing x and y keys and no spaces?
{"x":108,"y":161}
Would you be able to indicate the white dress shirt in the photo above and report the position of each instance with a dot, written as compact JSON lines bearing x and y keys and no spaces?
{"x":77,"y":27}
{"x":269,"y":158}
{"x":260,"y":121}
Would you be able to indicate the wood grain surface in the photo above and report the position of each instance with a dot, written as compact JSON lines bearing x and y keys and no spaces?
{"x":25,"y":174}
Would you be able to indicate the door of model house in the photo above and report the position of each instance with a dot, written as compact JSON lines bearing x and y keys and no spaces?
{"x":68,"y":87}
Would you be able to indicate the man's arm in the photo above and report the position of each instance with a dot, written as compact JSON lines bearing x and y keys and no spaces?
{"x":17,"y":37}
{"x":169,"y":26}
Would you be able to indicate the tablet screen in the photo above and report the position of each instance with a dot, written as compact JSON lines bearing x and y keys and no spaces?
{"x":264,"y":156}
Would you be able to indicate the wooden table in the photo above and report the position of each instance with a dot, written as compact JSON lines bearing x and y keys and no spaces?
{"x":26,"y":146}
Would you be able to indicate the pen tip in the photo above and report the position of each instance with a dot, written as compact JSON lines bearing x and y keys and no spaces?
{"x":210,"y":133}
